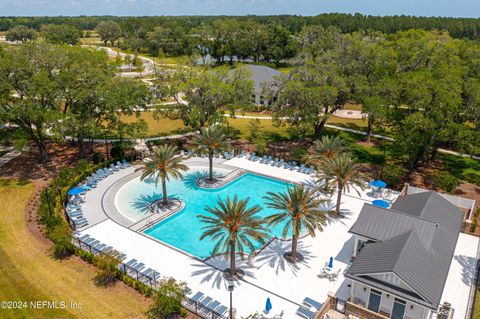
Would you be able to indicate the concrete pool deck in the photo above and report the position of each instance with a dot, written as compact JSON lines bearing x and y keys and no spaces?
{"x":268,"y":274}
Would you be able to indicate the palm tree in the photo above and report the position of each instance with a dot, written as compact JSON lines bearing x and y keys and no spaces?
{"x":210,"y":141}
{"x":163,"y":164}
{"x":341,"y":172}
{"x":234,"y":226}
{"x":299,"y":207}
{"x":322,"y":150}
{"x":325,"y":148}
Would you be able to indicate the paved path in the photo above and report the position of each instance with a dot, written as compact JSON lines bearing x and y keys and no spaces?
{"x":382,"y":137}
{"x":7,"y":157}
{"x":148,"y":64}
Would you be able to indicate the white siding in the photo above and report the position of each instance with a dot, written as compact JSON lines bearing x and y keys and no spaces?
{"x":361,"y":292}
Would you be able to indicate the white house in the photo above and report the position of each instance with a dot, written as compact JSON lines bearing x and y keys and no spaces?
{"x":403,"y":256}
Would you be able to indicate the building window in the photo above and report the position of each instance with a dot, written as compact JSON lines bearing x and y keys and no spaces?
{"x":391,"y":278}
{"x":374,"y":300}
{"x":398,"y":310}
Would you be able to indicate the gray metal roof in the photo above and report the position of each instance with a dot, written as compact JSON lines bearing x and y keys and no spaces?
{"x":381,"y":224}
{"x":261,"y":76}
{"x":415,"y":240}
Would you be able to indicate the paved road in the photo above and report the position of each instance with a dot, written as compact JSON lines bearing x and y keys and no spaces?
{"x":148,"y":64}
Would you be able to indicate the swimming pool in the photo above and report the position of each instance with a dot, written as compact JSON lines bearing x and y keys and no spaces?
{"x":183,"y":229}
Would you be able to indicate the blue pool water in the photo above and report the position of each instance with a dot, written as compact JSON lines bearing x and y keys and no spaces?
{"x":183,"y":229}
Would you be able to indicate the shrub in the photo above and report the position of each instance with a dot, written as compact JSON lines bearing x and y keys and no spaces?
{"x":117,"y":152}
{"x":393,"y":175}
{"x":85,"y":255}
{"x":168,"y":300}
{"x":62,"y":246}
{"x":98,"y":158}
{"x":254,"y":130}
{"x":473,"y":226}
{"x":445,"y":181}
{"x":298,"y":153}
{"x":108,"y":268}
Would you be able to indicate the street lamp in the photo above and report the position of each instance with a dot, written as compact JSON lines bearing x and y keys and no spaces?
{"x":230,"y":286}
{"x":106,"y":144}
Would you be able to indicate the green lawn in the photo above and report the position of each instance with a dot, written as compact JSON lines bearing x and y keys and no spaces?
{"x":28,"y":272}
{"x":160,"y":127}
{"x":271,"y":131}
{"x":463,"y":168}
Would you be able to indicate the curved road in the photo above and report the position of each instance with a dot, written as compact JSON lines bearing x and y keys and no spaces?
{"x":148,"y":64}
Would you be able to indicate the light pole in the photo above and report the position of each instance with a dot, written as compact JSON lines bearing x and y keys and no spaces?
{"x":230,"y":286}
{"x":106,"y":144}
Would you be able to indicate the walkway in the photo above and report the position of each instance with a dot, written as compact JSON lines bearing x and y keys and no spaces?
{"x":10,"y":155}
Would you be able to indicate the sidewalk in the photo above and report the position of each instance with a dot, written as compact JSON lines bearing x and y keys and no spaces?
{"x":12,"y":153}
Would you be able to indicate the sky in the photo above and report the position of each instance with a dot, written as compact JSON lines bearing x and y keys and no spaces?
{"x":449,"y":8}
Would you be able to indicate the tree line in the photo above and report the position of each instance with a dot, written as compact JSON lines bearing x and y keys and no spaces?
{"x":457,"y":27}
{"x":259,"y":38}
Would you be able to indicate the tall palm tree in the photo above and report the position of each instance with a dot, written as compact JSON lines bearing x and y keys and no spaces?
{"x":322,"y":150}
{"x":234,"y":226}
{"x":299,"y":207}
{"x":342,"y":173}
{"x":210,"y":141}
{"x":325,"y":148}
{"x":163,"y":164}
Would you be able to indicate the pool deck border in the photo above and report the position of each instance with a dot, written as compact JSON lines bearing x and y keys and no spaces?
{"x":112,"y":212}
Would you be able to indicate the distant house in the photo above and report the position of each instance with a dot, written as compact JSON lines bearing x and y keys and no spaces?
{"x":261,"y":76}
{"x":403,"y":255}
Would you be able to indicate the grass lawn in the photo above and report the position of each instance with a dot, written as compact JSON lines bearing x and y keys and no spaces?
{"x":29,"y":273}
{"x":464,"y":168}
{"x":353,"y":124}
{"x":160,"y":127}
{"x":91,"y":41}
{"x":241,"y":124}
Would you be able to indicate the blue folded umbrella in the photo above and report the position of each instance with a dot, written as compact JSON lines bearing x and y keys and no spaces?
{"x":75,"y":191}
{"x":330,"y":263}
{"x":381,"y":203}
{"x":378,"y":183}
{"x":268,"y":306}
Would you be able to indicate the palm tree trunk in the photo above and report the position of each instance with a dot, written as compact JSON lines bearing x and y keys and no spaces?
{"x":293,"y":254}
{"x":233,"y":271}
{"x":164,"y":191}
{"x":210,"y":167}
{"x":339,"y":198}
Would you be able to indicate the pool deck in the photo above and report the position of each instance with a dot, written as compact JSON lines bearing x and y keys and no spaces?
{"x":269,"y":275}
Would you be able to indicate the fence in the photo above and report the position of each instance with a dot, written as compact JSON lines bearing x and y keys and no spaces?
{"x":130,"y":271}
{"x":465,"y":203}
{"x":200,"y":310}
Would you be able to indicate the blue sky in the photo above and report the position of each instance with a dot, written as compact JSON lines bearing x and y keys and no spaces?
{"x":455,"y":8}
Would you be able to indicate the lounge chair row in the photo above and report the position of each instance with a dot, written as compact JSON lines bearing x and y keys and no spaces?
{"x":138,"y":270}
{"x":86,"y":242}
{"x":75,"y":216}
{"x":133,"y":268}
{"x":278,"y":162}
{"x":73,"y":208}
{"x":204,"y":305}
{"x":304,"y":311}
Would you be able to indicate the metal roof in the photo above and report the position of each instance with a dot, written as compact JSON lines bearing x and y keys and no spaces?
{"x":415,"y":240}
{"x":261,"y":76}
